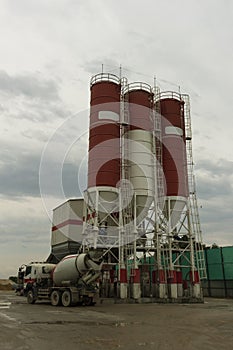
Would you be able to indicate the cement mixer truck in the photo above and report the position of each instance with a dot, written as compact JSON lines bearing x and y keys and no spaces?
{"x":72,"y":281}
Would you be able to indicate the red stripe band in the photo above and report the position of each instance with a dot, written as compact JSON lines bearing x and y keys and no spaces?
{"x":67,"y":222}
{"x":135,"y":276}
{"x":123,"y":276}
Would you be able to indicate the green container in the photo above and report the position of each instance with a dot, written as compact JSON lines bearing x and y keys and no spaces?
{"x":227,"y":253}
{"x":214,"y":263}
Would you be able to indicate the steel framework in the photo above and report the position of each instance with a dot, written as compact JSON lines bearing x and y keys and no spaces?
{"x":170,"y":259}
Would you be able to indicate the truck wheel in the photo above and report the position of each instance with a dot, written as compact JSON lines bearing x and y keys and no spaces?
{"x":55,"y":298}
{"x":30,"y":297}
{"x":66,"y":298}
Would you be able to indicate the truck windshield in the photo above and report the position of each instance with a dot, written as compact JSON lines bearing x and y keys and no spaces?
{"x":28,"y":270}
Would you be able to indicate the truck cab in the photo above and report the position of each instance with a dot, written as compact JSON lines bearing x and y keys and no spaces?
{"x":38,"y":273}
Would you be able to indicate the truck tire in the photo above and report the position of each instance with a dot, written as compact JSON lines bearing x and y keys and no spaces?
{"x":30,"y":297}
{"x":66,"y":298}
{"x":55,"y":298}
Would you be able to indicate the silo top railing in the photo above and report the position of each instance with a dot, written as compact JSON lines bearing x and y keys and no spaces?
{"x":168,"y":94}
{"x":137,"y":86}
{"x":104,"y":77}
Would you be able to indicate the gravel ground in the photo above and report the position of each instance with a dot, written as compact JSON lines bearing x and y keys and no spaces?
{"x":41,"y":326}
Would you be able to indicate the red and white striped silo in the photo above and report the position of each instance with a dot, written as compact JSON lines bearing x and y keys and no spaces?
{"x":104,"y":137}
{"x":138,"y":97}
{"x":173,"y":156}
{"x":104,"y":146}
{"x":140,"y":137}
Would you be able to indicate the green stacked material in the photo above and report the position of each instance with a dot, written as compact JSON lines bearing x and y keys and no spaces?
{"x":227,"y":254}
{"x":214,"y":264}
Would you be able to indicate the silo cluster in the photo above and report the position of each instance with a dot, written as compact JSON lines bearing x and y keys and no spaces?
{"x":106,"y":140}
{"x":136,"y":212}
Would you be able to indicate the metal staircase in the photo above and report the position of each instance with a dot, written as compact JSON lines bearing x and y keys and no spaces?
{"x":158,"y":146}
{"x":126,"y":192}
{"x":193,"y":206}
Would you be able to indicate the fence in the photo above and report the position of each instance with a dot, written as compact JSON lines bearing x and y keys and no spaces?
{"x":219,"y":266}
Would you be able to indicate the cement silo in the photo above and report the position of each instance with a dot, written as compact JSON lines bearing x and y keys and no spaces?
{"x":139,"y":98}
{"x":173,"y":156}
{"x":102,"y":195}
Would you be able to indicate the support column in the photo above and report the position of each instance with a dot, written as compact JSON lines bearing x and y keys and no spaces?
{"x":113,"y":284}
{"x":172,"y":284}
{"x":159,"y":284}
{"x":135,"y":283}
{"x":123,"y":283}
{"x":155,"y":283}
{"x":196,"y":285}
{"x":179,"y":284}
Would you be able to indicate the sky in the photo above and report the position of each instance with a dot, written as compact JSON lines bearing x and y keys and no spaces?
{"x":49,"y":51}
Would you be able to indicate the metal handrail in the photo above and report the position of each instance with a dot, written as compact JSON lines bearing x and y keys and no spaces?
{"x":168,"y":94}
{"x":137,"y":86}
{"x":104,"y":77}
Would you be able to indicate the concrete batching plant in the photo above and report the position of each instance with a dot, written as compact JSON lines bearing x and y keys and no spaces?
{"x":139,"y":212}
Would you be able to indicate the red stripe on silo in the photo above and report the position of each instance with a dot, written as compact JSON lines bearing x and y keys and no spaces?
{"x":123,"y":276}
{"x":174,"y":150}
{"x":135,"y":273}
{"x":196,"y":277}
{"x":104,"y":136}
{"x":179,"y":277}
{"x":105,"y":92}
{"x":140,"y":104}
{"x":171,"y":278}
{"x":158,"y":276}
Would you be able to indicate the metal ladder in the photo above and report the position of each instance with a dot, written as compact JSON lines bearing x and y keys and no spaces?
{"x":158,"y":146}
{"x":193,"y":205}
{"x":126,"y":191}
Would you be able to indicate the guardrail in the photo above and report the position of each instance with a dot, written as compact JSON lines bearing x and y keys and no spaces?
{"x":104,"y":77}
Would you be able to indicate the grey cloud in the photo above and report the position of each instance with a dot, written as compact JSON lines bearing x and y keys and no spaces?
{"x":214,"y":178}
{"x":25,"y":231}
{"x":218,"y":167}
{"x":41,"y":112}
{"x":212,"y":187}
{"x":72,"y":180}
{"x":66,"y":180}
{"x":21,"y":177}
{"x":216,"y":218}
{"x":217,"y":211}
{"x":30,"y":98}
{"x":95,"y":66}
{"x":2,"y":109}
{"x":34,"y":110}
{"x":215,"y":194}
{"x":28,"y":85}
{"x":20,"y":164}
{"x":39,"y":135}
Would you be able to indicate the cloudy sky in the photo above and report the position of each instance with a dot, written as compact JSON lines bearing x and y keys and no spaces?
{"x":48,"y":52}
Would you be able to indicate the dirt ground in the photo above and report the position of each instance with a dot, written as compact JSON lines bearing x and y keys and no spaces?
{"x":41,"y":326}
{"x":6,"y":284}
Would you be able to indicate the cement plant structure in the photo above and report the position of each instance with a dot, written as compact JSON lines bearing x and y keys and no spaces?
{"x":139,"y":213}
